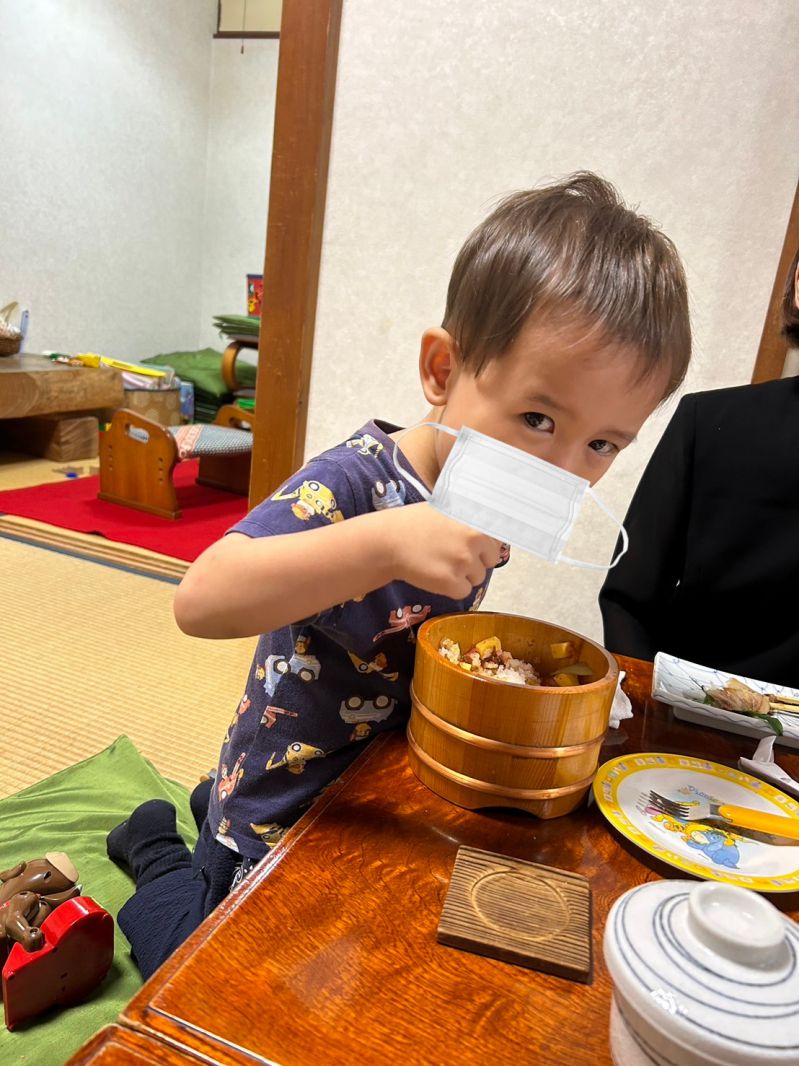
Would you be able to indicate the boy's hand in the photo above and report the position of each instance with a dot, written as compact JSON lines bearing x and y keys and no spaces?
{"x":437,"y":553}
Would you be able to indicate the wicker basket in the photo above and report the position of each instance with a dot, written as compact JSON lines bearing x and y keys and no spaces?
{"x":9,"y":346}
{"x":10,"y":336}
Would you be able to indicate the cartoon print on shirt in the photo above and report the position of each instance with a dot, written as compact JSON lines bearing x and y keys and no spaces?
{"x":243,"y":707}
{"x":223,"y":834}
{"x":228,"y":781}
{"x":295,"y":757}
{"x":387,"y":494}
{"x":312,"y":498}
{"x":294,"y":726}
{"x":270,"y":833}
{"x":355,"y":599}
{"x":306,"y":667}
{"x":404,"y":618}
{"x":366,"y":445}
{"x":356,"y":709}
{"x":270,"y":714}
{"x":376,"y":666}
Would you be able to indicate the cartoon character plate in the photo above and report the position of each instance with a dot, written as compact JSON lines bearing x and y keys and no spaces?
{"x":706,"y":849}
{"x":682,"y":684}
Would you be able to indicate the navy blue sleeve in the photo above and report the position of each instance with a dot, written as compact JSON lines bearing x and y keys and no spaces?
{"x":318,"y":495}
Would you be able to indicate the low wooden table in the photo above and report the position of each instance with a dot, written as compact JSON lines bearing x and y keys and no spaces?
{"x":328,"y":953}
{"x":35,"y":385}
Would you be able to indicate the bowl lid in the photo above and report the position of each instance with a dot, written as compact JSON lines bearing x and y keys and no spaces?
{"x":711,"y":965}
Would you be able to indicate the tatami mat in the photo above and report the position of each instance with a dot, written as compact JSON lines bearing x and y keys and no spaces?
{"x":21,"y":471}
{"x":93,"y":546}
{"x":88,"y":652}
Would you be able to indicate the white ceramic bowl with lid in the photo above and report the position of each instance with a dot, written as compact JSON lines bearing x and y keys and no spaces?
{"x":704,"y":975}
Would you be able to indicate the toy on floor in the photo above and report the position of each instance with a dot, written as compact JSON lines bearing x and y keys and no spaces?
{"x":29,"y":892}
{"x":56,"y":946}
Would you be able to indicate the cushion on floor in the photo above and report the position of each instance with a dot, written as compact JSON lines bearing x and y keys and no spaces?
{"x":72,"y":811}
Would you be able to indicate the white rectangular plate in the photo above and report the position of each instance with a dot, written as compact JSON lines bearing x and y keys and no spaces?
{"x":681,"y":684}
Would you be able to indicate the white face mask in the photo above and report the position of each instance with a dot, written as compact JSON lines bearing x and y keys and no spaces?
{"x":510,"y":495}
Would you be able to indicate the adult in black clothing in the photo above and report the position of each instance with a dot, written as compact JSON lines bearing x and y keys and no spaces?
{"x":712,"y":573}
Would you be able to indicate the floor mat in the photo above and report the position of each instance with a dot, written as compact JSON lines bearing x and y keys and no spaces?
{"x":90,"y":652}
{"x":73,"y":811}
{"x":72,"y":504}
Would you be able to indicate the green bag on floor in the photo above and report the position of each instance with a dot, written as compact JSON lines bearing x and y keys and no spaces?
{"x":73,"y":811}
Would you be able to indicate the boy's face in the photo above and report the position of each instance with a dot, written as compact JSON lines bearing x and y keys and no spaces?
{"x":558,"y":393}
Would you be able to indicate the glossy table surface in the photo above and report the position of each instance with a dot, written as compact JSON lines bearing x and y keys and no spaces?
{"x":328,"y":952}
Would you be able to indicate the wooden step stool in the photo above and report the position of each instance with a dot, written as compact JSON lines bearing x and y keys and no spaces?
{"x":138,"y":457}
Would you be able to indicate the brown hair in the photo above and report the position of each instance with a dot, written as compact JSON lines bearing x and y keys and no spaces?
{"x":570,"y":248}
{"x":790,"y":310}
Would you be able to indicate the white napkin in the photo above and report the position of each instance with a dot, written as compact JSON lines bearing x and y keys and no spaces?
{"x":622,"y":708}
{"x":762,"y":764}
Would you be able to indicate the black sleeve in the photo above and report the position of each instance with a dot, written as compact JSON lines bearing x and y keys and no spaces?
{"x":637,"y":590}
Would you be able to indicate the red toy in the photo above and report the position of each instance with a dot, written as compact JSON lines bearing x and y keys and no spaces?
{"x":59,"y":944}
{"x":77,"y":954}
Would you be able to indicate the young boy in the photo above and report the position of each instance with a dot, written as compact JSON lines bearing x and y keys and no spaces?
{"x":566,"y":325}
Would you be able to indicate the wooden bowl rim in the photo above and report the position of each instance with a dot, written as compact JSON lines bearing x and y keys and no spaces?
{"x":613,"y":666}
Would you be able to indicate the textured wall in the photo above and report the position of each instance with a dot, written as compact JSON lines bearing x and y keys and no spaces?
{"x":103,"y":133}
{"x":239,"y":158}
{"x":690,"y":108}
{"x":135,"y":153}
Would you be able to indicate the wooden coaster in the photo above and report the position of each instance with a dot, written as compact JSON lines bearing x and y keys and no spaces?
{"x":520,"y":912}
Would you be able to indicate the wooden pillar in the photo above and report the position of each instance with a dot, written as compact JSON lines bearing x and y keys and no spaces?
{"x":773,"y":346}
{"x":306,"y":80}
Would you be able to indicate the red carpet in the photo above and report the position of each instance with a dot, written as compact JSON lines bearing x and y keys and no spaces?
{"x":73,"y":504}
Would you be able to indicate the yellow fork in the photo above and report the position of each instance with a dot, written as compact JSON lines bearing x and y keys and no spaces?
{"x":702,"y":810}
{"x":747,"y":818}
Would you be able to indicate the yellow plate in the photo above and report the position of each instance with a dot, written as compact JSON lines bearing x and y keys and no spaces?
{"x":708,"y":850}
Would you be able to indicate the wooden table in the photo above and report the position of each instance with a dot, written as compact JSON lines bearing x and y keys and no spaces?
{"x":328,"y":953}
{"x":35,"y":385}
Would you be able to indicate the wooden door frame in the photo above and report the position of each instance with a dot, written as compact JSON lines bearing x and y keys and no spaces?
{"x":773,"y":345}
{"x":306,"y":84}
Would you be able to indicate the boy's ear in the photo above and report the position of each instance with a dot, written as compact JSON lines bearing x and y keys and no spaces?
{"x":796,"y":288}
{"x":438,"y":364}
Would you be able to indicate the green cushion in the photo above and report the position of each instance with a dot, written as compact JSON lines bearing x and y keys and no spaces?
{"x":72,"y":811}
{"x":204,"y":369}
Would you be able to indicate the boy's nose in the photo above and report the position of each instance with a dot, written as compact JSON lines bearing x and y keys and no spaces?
{"x":566,"y":458}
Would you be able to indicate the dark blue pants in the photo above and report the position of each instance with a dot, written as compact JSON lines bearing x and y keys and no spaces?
{"x":164,"y":912}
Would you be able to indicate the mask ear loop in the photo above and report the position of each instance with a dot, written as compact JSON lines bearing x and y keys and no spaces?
{"x":625,"y":541}
{"x":423,"y":490}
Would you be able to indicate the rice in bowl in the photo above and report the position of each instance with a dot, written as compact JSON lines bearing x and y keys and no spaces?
{"x":488,"y":659}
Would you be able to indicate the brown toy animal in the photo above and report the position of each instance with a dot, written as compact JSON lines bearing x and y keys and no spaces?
{"x":28,"y":893}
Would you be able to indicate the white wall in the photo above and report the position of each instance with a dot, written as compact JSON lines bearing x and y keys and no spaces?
{"x":103,"y":130}
{"x":239,"y":160}
{"x":135,"y":154}
{"x":690,"y":108}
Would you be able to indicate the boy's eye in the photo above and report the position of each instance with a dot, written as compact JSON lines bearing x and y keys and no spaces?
{"x":603,"y":447}
{"x":536,"y":420}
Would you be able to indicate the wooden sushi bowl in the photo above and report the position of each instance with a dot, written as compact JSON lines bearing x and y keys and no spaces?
{"x":479,"y":742}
